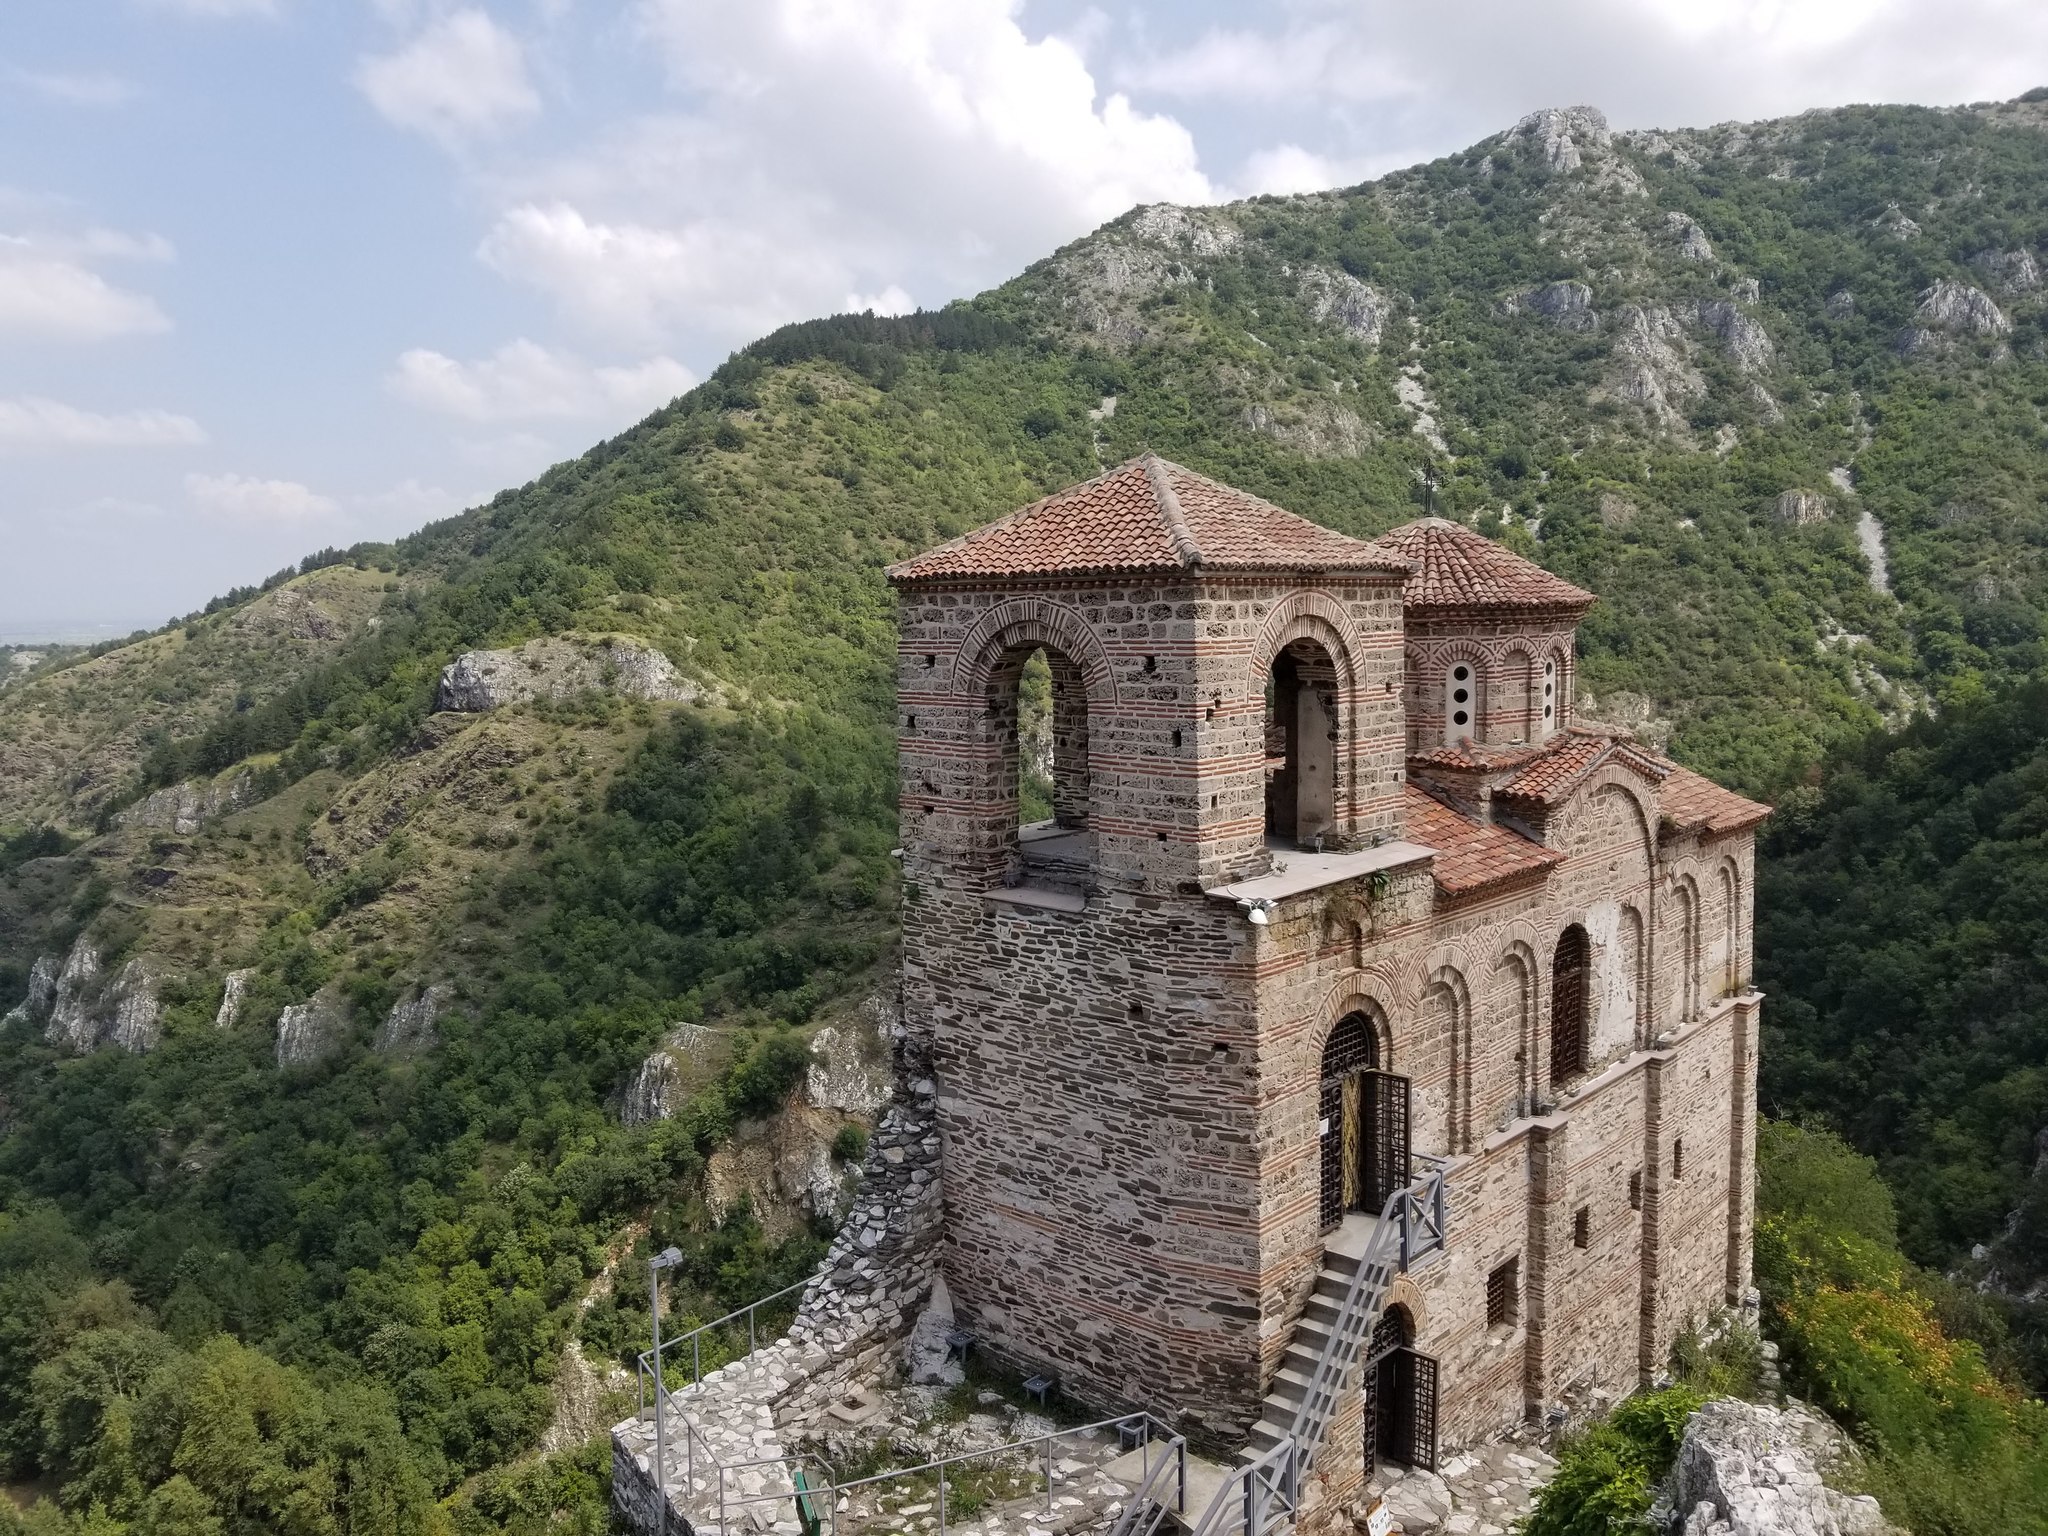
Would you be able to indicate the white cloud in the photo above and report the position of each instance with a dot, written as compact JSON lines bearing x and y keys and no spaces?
{"x":43,"y":293}
{"x":32,"y":422}
{"x":831,"y":148}
{"x":463,"y":77}
{"x":96,"y":89}
{"x":247,"y":499}
{"x":523,"y":381}
{"x":892,"y":300}
{"x":1288,"y":168}
{"x":1373,"y":73}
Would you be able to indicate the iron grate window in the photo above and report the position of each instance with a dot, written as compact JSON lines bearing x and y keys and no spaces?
{"x":1503,"y":1293}
{"x":1677,"y":1160}
{"x":1635,"y":1190}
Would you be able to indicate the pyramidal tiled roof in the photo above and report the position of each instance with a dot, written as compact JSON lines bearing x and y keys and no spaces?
{"x":1455,"y":567}
{"x":1147,"y":515}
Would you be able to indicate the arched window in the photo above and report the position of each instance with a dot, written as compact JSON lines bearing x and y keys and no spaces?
{"x":1570,"y":982}
{"x":1301,"y":745}
{"x":1461,"y":703}
{"x":1546,"y":698}
{"x":1038,"y":700}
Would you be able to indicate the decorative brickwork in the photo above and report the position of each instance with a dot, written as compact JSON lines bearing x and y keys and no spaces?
{"x":1129,"y":1011}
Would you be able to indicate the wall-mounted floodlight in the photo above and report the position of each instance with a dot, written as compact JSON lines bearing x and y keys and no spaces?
{"x":1259,"y":913}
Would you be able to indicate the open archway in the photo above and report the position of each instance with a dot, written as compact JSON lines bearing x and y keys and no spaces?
{"x":1301,"y":744}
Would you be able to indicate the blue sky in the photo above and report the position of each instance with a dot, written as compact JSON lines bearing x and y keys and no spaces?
{"x":276,"y":274}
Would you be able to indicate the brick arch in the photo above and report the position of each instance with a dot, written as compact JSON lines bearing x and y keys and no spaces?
{"x":1526,"y":976}
{"x":1685,"y":894}
{"x":1028,"y":623}
{"x":1404,"y":1292}
{"x":1449,"y":980}
{"x":1307,"y":616}
{"x":1362,"y":992}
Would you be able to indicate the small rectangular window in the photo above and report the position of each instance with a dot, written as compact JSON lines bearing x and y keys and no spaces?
{"x":1582,"y":1227}
{"x":1503,"y":1294}
{"x":1635,"y":1190}
{"x":1677,"y":1160}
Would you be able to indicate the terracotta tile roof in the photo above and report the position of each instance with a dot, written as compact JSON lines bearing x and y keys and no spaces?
{"x":1692,"y":802}
{"x":1551,"y":779}
{"x":1471,"y":856}
{"x":1147,"y":515}
{"x":1456,"y":568}
{"x":1471,"y":757}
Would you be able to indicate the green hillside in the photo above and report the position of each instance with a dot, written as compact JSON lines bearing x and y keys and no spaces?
{"x":1681,"y":369}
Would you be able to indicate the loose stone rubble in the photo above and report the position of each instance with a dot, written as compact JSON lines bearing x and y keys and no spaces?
{"x":1480,"y":1492}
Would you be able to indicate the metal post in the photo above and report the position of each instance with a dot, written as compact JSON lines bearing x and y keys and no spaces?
{"x":660,"y":1423}
{"x":942,"y":1499}
{"x":1047,"y":1443}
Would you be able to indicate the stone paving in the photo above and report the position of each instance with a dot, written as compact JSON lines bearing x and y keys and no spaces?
{"x":1480,"y":1492}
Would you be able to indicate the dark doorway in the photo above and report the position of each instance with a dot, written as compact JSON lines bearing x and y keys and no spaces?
{"x":1569,"y":982}
{"x":1363,"y":1129}
{"x":1400,"y":1397}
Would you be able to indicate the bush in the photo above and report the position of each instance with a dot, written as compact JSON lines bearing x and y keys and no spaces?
{"x":1608,"y":1474}
{"x":851,"y":1144}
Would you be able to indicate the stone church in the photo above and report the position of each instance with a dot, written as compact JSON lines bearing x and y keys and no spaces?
{"x":1336,"y":900}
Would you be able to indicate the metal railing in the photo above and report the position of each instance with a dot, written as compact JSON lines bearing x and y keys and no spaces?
{"x":1412,"y":1225}
{"x":695,"y":1338}
{"x":1163,"y":1490}
{"x":1259,"y":1497}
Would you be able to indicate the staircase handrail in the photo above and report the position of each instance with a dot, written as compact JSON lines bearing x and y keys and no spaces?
{"x":1264,"y":1488}
{"x":1412,"y":1225}
{"x":1147,"y":1506}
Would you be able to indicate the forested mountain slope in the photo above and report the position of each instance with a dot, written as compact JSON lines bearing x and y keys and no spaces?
{"x":1682,"y":369}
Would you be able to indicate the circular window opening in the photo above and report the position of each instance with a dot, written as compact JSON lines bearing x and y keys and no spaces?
{"x":1460,"y":673}
{"x":1546,"y":711}
{"x":1461,"y":717}
{"x":1460,"y":696}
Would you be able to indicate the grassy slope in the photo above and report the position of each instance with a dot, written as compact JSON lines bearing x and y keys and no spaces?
{"x":588,"y":874}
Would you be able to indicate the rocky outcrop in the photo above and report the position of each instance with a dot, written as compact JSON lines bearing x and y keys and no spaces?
{"x":1337,"y":299}
{"x":1691,"y":240}
{"x":1800,"y":508}
{"x":1961,"y":310}
{"x":1740,"y":333}
{"x":560,"y":667}
{"x":1566,"y":305}
{"x":1748,"y":1470}
{"x":1315,"y":427}
{"x":1895,"y":223}
{"x":42,"y":993}
{"x":132,"y":1012}
{"x":1650,"y":366}
{"x":81,"y":1008}
{"x":1840,"y":305}
{"x":184,"y":808}
{"x":311,"y":1031}
{"x":655,"y":1091}
{"x":234,"y":988}
{"x":1197,"y":231}
{"x":2012,"y":273}
{"x":849,"y":1068}
{"x":72,"y":1024}
{"x":1563,"y":135}
{"x":409,"y":1027}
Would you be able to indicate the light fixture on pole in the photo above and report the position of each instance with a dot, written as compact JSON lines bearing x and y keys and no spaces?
{"x":668,"y":1258}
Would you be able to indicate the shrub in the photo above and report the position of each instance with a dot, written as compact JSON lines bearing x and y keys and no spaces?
{"x":1608,"y":1474}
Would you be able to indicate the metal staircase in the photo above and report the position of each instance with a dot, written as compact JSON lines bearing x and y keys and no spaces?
{"x":1263,"y":1491}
